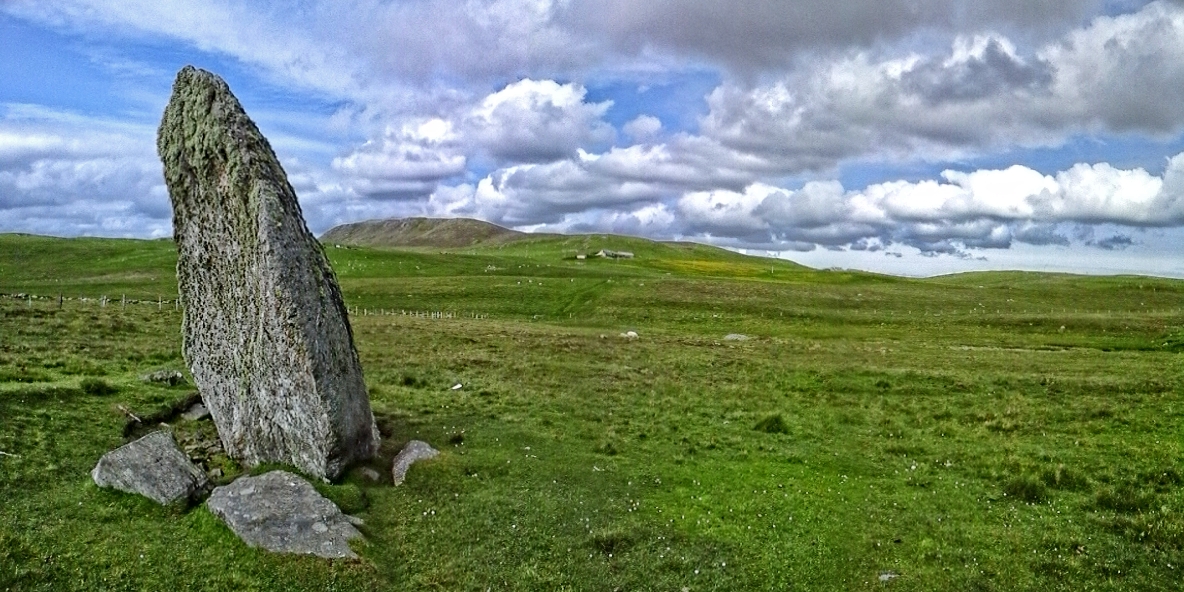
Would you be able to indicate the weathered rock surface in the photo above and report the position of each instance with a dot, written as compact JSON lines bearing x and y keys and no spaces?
{"x":415,"y":450}
{"x":153,"y":467}
{"x":281,"y":512}
{"x":265,"y":332}
{"x":166,"y":377}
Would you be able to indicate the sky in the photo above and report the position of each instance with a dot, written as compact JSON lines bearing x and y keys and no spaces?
{"x":911,"y":137}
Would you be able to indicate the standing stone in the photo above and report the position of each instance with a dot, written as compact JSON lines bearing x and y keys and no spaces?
{"x":265,"y":332}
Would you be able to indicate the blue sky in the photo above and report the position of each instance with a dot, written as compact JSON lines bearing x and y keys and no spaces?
{"x":905,"y":136}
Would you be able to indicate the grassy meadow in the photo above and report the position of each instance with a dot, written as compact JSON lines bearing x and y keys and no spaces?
{"x":986,"y":431}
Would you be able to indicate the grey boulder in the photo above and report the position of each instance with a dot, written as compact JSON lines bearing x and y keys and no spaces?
{"x":415,"y":450}
{"x":281,"y":512}
{"x":264,"y":331}
{"x":153,"y":467}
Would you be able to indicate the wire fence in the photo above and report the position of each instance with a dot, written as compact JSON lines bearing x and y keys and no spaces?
{"x":122,"y":301}
{"x":60,"y":301}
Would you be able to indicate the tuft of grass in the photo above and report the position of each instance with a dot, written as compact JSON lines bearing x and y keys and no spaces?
{"x":1064,"y":478}
{"x":412,"y":381}
{"x":608,"y":542}
{"x":351,"y":498}
{"x":1124,"y":498}
{"x":97,"y":387}
{"x":772,"y":424}
{"x":1026,"y":488}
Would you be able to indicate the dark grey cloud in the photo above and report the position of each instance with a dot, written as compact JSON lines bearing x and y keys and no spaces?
{"x":1117,"y":74}
{"x":995,"y":71}
{"x":1114,"y":242}
{"x":749,"y":34}
{"x":1040,"y":235}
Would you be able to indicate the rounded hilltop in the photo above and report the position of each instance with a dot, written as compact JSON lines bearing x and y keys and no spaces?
{"x":445,"y":233}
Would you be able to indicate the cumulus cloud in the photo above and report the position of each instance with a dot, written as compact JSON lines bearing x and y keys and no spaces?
{"x":1113,"y":75}
{"x":985,"y":209}
{"x":643,"y":127}
{"x":407,"y":161}
{"x":65,"y":173}
{"x":526,"y":122}
{"x":537,"y":121}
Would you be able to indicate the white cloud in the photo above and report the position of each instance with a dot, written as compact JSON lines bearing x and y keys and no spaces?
{"x":416,"y":155}
{"x":643,"y":127}
{"x":979,"y":209}
{"x":64,"y":173}
{"x":537,"y":121}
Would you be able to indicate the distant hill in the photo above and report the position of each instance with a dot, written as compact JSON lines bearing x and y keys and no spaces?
{"x":478,"y":236}
{"x":444,"y":233}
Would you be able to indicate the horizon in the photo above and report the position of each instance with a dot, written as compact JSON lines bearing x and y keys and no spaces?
{"x":1062,"y":270}
{"x":911,"y":140}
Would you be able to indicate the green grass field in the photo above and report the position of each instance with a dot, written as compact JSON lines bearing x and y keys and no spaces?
{"x":987,"y":431}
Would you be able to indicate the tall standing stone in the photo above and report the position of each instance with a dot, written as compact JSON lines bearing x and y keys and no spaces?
{"x":265,"y":331}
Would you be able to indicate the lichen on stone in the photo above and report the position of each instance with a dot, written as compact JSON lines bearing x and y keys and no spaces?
{"x":265,"y":331}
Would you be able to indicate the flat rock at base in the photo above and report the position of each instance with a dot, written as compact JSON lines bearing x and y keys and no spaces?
{"x":415,"y":450}
{"x":153,"y":467}
{"x":281,"y":512}
{"x":265,"y":332}
{"x":735,"y":337}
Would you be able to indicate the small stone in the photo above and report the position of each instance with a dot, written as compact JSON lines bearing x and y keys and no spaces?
{"x":166,"y":377}
{"x":415,"y":450}
{"x":281,"y":512}
{"x":371,"y":474}
{"x":735,"y":337}
{"x":153,"y":467}
{"x":196,"y":412}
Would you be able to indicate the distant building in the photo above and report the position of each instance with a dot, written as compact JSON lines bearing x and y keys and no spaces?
{"x":607,"y":254}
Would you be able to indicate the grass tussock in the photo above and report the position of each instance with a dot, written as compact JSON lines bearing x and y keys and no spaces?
{"x":772,"y":424}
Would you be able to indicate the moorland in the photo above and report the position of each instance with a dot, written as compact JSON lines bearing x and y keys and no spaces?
{"x":770,"y":427}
